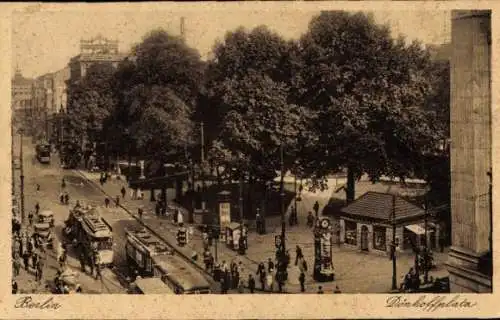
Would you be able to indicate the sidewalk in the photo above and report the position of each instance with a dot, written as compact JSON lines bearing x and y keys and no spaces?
{"x":355,"y":272}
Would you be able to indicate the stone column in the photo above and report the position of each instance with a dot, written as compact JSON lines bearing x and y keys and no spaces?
{"x":470,"y":153}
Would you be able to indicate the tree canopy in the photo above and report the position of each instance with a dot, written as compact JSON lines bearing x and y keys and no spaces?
{"x":368,"y":92}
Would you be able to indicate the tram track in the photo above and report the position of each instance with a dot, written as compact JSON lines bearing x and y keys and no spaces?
{"x":178,"y":253}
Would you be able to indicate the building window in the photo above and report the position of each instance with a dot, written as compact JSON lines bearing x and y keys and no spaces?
{"x":379,"y":242}
{"x":351,"y":233}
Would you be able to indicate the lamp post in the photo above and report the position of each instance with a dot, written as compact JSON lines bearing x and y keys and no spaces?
{"x":13,"y":157}
{"x":394,"y":244}
{"x":426,"y":248}
{"x":22,"y":176}
{"x":202,"y":151}
{"x":282,"y":196}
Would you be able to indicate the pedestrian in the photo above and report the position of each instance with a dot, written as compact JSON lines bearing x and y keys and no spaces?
{"x":37,"y":187}
{"x":251,"y":283}
{"x":30,"y":218}
{"x":269,"y":281}
{"x":26,"y":261}
{"x":66,"y":198}
{"x":180,"y":216}
{"x":270,"y":265}
{"x":97,"y":267}
{"x":62,"y":259}
{"x":106,"y":202}
{"x":337,"y":290}
{"x":34,"y":259}
{"x":140,"y":211}
{"x":39,"y":270}
{"x":123,"y":191}
{"x":316,"y":208}
{"x":61,"y":197}
{"x":91,"y":265}
{"x":82,"y":261}
{"x":117,"y":200}
{"x":14,"y":286}
{"x":63,"y":183}
{"x":298,"y":254}
{"x":310,"y":219}
{"x":320,"y":290}
{"x":302,"y":281}
{"x":17,"y":265}
{"x":37,"y":208}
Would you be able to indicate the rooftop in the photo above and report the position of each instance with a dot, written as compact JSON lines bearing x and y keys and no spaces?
{"x":380,"y":206}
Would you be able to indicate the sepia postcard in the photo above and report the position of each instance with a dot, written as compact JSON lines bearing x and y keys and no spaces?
{"x":249,"y":160}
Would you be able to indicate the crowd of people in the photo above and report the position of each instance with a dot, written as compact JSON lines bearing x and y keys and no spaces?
{"x":28,"y":253}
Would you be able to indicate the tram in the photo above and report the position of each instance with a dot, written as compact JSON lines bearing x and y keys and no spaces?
{"x":43,"y":152}
{"x":149,"y":256}
{"x":93,"y":232}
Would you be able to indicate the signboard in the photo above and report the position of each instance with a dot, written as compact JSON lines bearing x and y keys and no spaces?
{"x":277,"y":241}
{"x":224,"y":214}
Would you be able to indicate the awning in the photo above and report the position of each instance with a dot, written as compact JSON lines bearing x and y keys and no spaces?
{"x":415,"y":228}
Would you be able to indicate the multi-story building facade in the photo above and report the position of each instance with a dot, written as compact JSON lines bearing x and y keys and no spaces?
{"x":21,"y":97}
{"x":95,"y":50}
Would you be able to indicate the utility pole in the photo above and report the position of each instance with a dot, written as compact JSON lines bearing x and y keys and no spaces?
{"x":241,"y":212}
{"x":203,"y":204}
{"x":282,"y":194}
{"x":22,"y":177}
{"x":394,"y":244}
{"x":426,"y":253}
{"x":12,"y":162}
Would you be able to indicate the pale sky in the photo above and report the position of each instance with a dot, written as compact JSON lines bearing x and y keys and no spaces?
{"x":44,"y":41}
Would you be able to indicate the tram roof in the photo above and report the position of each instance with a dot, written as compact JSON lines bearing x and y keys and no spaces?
{"x":153,"y":286}
{"x":95,"y":225}
{"x":181,"y":272}
{"x":148,"y":241}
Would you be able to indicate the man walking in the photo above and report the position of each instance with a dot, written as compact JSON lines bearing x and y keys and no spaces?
{"x":123,"y":191}
{"x":302,"y":280}
{"x":316,"y":208}
{"x":37,"y":208}
{"x":251,"y":283}
{"x":30,"y":218}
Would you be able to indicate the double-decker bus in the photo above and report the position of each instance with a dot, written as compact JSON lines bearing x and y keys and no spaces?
{"x":92,"y":232}
{"x":43,"y":152}
{"x":151,"y":257}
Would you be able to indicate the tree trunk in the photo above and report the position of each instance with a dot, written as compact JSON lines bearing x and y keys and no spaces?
{"x":351,"y":184}
{"x":164,"y":195}
{"x":178,"y":189}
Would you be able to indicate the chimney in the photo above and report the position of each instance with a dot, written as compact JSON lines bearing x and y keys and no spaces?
{"x":183,"y":30}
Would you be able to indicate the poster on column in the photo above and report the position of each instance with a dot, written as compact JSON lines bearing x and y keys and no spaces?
{"x":224,"y":214}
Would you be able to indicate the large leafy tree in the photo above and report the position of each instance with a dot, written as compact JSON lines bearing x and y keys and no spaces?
{"x":367,"y":92}
{"x":157,"y":90}
{"x":248,"y":83}
{"x":91,"y":99}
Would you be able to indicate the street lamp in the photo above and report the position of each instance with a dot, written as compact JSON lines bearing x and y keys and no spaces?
{"x":394,"y":244}
{"x":22,"y":176}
